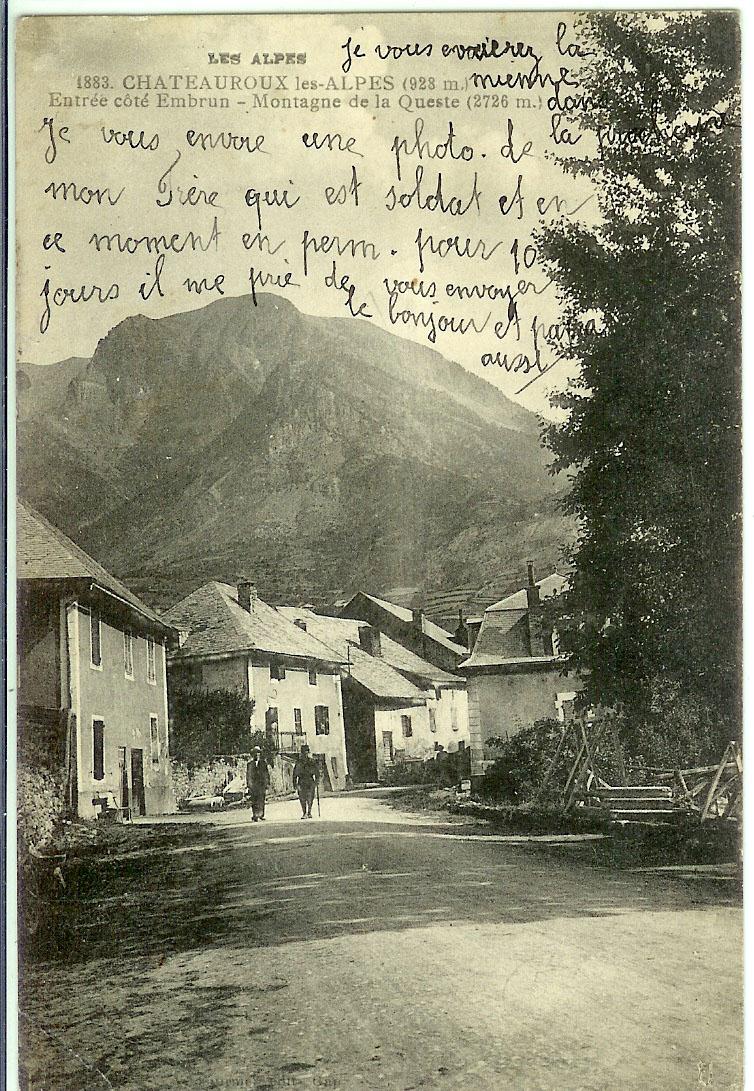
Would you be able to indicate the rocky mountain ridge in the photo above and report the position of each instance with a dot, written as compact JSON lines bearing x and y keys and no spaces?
{"x":320,"y":455}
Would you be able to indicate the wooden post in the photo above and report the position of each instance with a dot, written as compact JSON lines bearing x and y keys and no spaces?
{"x":715,"y":783}
{"x":552,"y":764}
{"x":618,"y":750}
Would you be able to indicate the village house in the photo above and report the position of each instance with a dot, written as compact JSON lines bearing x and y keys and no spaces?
{"x":92,"y":694}
{"x":231,"y":639}
{"x":410,"y":628}
{"x":397,"y":707}
{"x":516,"y":674}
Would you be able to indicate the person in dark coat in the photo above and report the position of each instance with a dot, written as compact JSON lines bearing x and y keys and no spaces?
{"x":305,"y":776}
{"x":257,"y":783}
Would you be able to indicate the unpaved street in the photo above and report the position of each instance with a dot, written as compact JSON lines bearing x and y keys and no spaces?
{"x":372,"y":949}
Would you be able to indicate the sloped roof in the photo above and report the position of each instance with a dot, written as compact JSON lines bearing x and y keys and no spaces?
{"x":430,"y":629}
{"x":217,"y":625}
{"x":44,"y":553}
{"x":341,"y":633}
{"x":380,"y":678}
{"x":549,"y":586}
{"x":504,"y":634}
{"x":376,"y":673}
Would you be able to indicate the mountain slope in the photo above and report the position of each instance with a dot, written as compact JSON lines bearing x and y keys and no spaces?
{"x":319,"y":455}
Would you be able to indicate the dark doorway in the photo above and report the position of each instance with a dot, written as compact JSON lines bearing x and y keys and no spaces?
{"x":361,"y":751}
{"x":271,"y":727}
{"x":137,"y":782}
{"x":125,"y":795}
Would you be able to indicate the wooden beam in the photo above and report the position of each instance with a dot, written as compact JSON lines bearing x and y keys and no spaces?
{"x":715,"y":782}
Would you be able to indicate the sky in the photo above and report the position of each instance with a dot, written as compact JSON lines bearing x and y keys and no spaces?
{"x":79,"y":176}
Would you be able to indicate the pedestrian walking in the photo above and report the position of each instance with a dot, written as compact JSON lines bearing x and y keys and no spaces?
{"x":257,"y":783}
{"x":305,"y":780}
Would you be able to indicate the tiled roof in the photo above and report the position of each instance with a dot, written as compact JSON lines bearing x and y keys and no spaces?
{"x":504,"y":634}
{"x":44,"y":553}
{"x":403,"y":659}
{"x":216,"y":624}
{"x":338,"y":632}
{"x":434,"y":632}
{"x":549,"y":586}
{"x":379,"y":674}
{"x":380,"y":678}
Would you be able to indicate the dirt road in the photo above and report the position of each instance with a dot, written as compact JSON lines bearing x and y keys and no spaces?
{"x":372,"y":949}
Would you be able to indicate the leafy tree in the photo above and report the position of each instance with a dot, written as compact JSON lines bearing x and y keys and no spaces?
{"x":266,"y":743}
{"x":209,"y":722}
{"x":651,"y":430}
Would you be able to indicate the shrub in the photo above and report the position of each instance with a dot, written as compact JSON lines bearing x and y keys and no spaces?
{"x":207,"y":723}
{"x":521,"y":761}
{"x":442,"y":771}
{"x":525,"y":759}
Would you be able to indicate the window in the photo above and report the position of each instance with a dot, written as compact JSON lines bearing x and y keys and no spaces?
{"x":312,"y":676}
{"x":565,"y":706}
{"x":432,"y":719}
{"x":154,"y":739}
{"x":406,"y":727}
{"x":128,"y":653}
{"x":95,"y":623}
{"x":277,"y":672}
{"x":98,"y":749}
{"x":297,"y":725}
{"x":151,"y":675}
{"x":321,"y":720}
{"x":334,"y":764}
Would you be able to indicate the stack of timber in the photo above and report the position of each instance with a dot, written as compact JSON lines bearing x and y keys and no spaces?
{"x":635,"y":803}
{"x":704,"y":792}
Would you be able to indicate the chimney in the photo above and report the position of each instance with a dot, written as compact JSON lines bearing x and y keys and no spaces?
{"x":534,"y":606}
{"x":461,"y":635}
{"x":247,"y":594}
{"x":370,"y":640}
{"x":299,"y":623}
{"x":417,"y":619}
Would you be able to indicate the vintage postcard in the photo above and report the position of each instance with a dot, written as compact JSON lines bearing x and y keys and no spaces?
{"x":377,"y":430}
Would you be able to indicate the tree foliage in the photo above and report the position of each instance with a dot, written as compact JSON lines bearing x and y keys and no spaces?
{"x":266,"y":744}
{"x":651,"y":431}
{"x":207,"y":723}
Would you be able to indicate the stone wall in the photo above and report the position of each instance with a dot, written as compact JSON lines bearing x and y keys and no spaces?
{"x":212,"y":777}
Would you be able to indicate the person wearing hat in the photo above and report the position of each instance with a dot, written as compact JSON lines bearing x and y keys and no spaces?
{"x":305,"y":775}
{"x":257,"y":783}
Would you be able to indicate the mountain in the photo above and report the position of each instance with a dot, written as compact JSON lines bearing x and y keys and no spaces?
{"x":319,"y":455}
{"x":41,"y":389}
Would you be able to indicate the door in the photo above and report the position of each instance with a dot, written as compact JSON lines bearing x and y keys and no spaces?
{"x":137,"y":782}
{"x":387,"y":745}
{"x":125,"y":795}
{"x":271,"y":727}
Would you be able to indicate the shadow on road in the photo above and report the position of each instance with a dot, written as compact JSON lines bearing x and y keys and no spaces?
{"x":271,"y":885}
